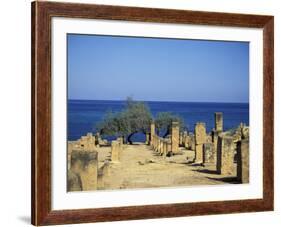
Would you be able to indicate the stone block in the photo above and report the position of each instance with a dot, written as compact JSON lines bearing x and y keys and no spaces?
{"x":225,"y":155}
{"x":209,"y":154}
{"x":84,"y":168}
{"x":243,"y":161}
{"x":73,"y":181}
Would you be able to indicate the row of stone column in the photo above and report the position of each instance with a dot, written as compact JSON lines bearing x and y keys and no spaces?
{"x":162,"y":145}
{"x":185,"y":140}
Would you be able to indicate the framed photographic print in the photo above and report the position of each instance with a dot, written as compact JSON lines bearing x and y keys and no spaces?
{"x":144,"y":113}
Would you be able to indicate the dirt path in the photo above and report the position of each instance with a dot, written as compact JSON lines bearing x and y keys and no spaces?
{"x":141,"y":167}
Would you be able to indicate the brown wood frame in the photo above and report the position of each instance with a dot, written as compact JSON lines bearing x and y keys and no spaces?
{"x":42,"y":12}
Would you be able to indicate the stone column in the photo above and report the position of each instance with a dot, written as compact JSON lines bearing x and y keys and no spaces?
{"x":120,"y":141}
{"x":181,"y":139}
{"x":185,"y":139}
{"x":97,"y":139}
{"x":215,"y":135}
{"x":200,"y":139}
{"x":243,"y":161}
{"x":158,"y":144}
{"x":192,"y":142}
{"x":155,"y":142}
{"x":161,"y":146}
{"x":169,"y":147}
{"x":175,"y":137}
{"x":83,"y":174}
{"x":147,"y":139}
{"x":115,"y":147}
{"x":152,"y":132}
{"x":209,"y":156}
{"x":218,"y":122}
{"x":165,"y":148}
{"x":225,"y":155}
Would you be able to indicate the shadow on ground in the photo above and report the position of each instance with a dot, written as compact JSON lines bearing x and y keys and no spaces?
{"x":206,"y":171}
{"x":232,"y":180}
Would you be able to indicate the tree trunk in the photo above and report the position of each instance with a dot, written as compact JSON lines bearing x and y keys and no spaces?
{"x":129,"y":138}
{"x":167,"y":132}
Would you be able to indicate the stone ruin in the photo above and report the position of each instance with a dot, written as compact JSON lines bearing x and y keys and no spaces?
{"x":228,"y":148}
{"x":82,"y":165}
{"x":243,"y":161}
{"x":228,"y":152}
{"x":83,"y":172}
{"x":200,"y":139}
{"x":225,"y":155}
{"x":209,"y":154}
{"x":175,"y":137}
{"x":116,"y":149}
{"x":85,"y":143}
{"x":165,"y":146}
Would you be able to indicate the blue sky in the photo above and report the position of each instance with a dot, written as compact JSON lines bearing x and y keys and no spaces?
{"x":151,"y":69}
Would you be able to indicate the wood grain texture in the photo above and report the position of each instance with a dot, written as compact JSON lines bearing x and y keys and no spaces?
{"x":42,"y":12}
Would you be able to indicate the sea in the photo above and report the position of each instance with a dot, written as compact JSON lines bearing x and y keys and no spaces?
{"x":83,"y":115}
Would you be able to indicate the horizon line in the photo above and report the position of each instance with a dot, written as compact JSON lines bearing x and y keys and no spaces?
{"x":120,"y":100}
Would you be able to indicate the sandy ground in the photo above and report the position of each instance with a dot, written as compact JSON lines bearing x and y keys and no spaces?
{"x":141,"y":167}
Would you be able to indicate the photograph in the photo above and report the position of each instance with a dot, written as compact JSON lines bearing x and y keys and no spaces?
{"x":146,"y":112}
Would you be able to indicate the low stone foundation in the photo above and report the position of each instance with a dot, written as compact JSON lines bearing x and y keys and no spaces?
{"x":83,"y":173}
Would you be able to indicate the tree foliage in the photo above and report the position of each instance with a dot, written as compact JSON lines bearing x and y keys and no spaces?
{"x":135,"y":118}
{"x":163,"y":122}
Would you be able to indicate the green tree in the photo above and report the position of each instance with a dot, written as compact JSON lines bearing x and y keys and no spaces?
{"x":138,"y":118}
{"x":163,"y":122}
{"x":109,"y":124}
{"x":135,"y":118}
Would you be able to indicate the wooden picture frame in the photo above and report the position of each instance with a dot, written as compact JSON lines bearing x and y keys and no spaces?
{"x":42,"y":12}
